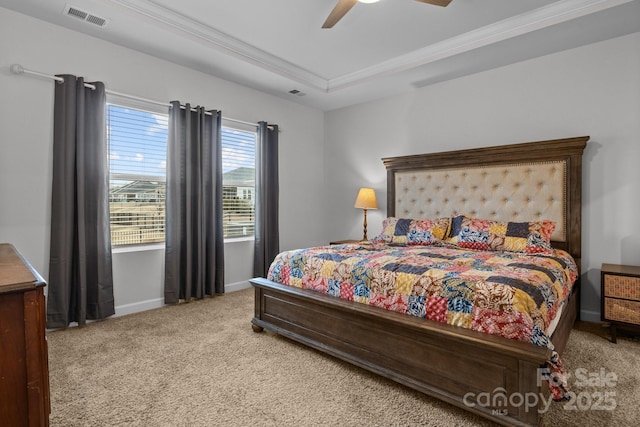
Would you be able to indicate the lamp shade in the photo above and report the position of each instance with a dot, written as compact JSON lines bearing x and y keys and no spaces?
{"x":366,"y":199}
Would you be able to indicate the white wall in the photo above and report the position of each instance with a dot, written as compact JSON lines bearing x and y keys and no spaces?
{"x":324,"y":158}
{"x":592,"y":90}
{"x":26,"y":111}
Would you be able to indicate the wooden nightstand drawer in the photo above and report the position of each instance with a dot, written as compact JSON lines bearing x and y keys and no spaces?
{"x":622,"y":310}
{"x":626,"y":287}
{"x":620,"y":290}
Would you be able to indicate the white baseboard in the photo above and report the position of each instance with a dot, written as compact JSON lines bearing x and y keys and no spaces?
{"x":238,"y":286}
{"x":137,"y":307}
{"x":590,"y":316}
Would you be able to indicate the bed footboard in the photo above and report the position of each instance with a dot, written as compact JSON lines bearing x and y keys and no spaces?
{"x":452,"y":364}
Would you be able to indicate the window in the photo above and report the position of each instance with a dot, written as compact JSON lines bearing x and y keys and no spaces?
{"x":137,"y":155}
{"x":238,"y":182}
{"x":137,"y":186}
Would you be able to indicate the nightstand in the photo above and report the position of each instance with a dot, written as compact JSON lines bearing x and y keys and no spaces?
{"x":342,"y":242}
{"x":620,"y":289}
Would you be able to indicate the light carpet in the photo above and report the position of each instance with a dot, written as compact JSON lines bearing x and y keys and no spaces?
{"x":200,"y":364}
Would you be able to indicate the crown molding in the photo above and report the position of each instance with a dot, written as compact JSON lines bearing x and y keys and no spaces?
{"x":221,"y":41}
{"x":545,"y":16}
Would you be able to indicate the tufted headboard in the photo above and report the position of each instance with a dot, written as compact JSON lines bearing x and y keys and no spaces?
{"x":518,"y":182}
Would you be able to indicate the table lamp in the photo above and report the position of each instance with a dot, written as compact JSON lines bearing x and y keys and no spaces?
{"x":366,"y":200}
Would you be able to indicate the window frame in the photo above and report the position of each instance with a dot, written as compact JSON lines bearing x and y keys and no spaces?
{"x":242,"y":127}
{"x":158,"y":108}
{"x":148,"y":107}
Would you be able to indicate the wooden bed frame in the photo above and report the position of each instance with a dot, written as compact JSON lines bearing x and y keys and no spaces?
{"x":440,"y":360}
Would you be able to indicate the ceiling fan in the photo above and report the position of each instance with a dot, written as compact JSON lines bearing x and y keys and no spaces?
{"x":344,"y":6}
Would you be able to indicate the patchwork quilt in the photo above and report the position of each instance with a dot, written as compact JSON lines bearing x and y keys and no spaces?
{"x":514,"y":295}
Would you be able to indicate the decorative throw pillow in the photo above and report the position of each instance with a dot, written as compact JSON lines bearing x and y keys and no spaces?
{"x":427,"y":231}
{"x":485,"y":234}
{"x":404,"y":231}
{"x":394,"y":230}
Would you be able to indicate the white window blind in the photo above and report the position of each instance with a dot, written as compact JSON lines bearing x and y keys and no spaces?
{"x":137,"y":156}
{"x":238,"y":182}
{"x":137,"y":186}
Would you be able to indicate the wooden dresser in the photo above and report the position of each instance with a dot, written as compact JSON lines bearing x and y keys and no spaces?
{"x":24,"y":373}
{"x":620,"y":297}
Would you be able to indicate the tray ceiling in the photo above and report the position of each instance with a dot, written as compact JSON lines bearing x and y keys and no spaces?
{"x":376,"y":50}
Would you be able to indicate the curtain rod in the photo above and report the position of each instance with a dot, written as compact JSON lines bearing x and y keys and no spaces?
{"x":19,"y":69}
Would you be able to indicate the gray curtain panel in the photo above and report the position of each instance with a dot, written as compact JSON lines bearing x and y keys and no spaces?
{"x":80,"y":276}
{"x":267,"y":230}
{"x":194,"y":257}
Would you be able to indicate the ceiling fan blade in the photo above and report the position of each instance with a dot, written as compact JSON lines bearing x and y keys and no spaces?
{"x":443,"y":3}
{"x":338,"y":12}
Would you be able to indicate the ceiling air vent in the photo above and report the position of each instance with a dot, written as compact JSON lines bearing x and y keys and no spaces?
{"x":297,"y":92}
{"x":85,"y":16}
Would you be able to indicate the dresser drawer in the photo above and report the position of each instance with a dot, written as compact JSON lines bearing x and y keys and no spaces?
{"x":24,"y":375}
{"x":621,"y":310}
{"x":626,"y":287}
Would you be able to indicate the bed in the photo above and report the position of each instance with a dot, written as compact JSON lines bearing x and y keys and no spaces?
{"x":518,"y":182}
